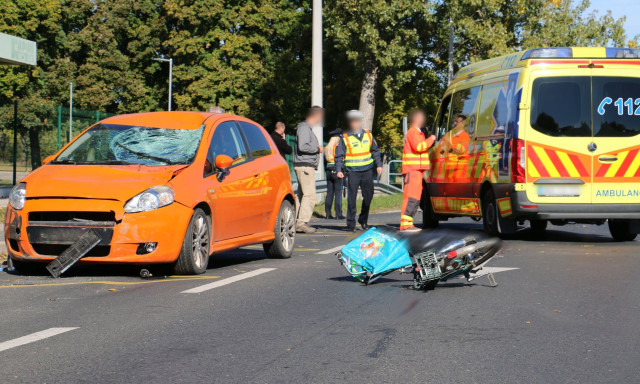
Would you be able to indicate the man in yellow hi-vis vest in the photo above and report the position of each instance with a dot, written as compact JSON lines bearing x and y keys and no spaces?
{"x":357,"y":154}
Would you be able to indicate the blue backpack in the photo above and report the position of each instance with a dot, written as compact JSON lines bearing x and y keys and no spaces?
{"x":374,"y":254}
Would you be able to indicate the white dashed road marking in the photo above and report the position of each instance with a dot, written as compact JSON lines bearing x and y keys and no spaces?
{"x":332,"y":250}
{"x":487,"y":270}
{"x":33,"y":337}
{"x":228,"y":280}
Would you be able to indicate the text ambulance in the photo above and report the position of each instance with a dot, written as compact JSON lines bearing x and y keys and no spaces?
{"x":550,"y":134}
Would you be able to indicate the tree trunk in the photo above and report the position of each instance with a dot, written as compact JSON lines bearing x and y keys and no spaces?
{"x":368,"y":93}
{"x":34,"y":141}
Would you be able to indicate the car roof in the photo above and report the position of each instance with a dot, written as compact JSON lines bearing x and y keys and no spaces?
{"x":170,"y":120}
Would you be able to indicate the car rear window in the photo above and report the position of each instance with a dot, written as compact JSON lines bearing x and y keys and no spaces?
{"x":616,"y":103}
{"x":258,"y":144}
{"x":560,"y":106}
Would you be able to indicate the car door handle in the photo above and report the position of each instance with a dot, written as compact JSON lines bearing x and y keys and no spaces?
{"x":610,"y":159}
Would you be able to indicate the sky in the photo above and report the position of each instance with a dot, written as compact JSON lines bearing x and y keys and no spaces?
{"x":619,"y":8}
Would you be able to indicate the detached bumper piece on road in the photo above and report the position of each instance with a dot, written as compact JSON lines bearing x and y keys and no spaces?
{"x":72,"y":254}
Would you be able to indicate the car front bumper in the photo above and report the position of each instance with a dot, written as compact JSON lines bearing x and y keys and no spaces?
{"x":45,"y":227}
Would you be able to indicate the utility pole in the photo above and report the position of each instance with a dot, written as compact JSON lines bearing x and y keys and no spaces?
{"x":170,"y":61}
{"x":15,"y":140}
{"x":70,"y":111}
{"x":316,"y":75}
{"x":450,"y":52}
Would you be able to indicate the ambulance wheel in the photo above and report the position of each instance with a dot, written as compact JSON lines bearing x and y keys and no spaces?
{"x":285,"y":233}
{"x":490,"y":214}
{"x":194,"y":255}
{"x":621,"y":230}
{"x":429,"y":218}
{"x":538,"y":226}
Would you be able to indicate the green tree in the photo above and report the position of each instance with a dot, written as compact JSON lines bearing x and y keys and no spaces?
{"x":385,"y":40}
{"x":37,"y":20}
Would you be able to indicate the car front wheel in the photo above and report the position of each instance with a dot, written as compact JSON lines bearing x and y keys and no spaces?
{"x":194,"y":255}
{"x":285,"y":233}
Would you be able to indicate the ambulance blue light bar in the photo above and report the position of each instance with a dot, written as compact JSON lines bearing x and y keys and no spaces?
{"x":548,"y":53}
{"x":623,"y":53}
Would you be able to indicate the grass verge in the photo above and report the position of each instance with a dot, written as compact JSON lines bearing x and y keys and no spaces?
{"x":378,"y":204}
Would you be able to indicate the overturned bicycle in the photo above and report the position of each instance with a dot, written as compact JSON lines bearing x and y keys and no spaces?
{"x":432,"y":256}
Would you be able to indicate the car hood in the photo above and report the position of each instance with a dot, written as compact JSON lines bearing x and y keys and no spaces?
{"x":95,"y":181}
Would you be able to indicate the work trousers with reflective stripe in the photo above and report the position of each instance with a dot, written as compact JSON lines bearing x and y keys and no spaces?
{"x":356,"y":180}
{"x":411,"y":198}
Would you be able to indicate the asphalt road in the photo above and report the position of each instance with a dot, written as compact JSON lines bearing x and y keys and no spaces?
{"x":569,"y":313}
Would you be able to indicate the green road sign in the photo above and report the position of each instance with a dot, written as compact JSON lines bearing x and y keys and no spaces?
{"x":14,"y":50}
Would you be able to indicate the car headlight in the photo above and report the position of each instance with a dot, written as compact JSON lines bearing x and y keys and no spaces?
{"x":152,"y":198}
{"x":18,"y":196}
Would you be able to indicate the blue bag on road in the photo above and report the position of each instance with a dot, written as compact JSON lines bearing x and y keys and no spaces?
{"x":374,"y":254}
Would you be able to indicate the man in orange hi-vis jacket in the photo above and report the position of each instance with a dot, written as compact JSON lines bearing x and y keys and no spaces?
{"x":415,"y":162}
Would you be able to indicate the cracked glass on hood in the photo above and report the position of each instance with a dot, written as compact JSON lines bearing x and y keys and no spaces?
{"x":126,"y":144}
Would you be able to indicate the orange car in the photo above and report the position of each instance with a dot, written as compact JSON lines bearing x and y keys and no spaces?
{"x":160,"y":187}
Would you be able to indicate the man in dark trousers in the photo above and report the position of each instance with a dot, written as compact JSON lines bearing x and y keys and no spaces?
{"x":334,"y":184}
{"x":358,"y":154}
{"x":280,"y":139}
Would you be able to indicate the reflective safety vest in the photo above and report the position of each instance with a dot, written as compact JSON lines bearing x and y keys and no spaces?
{"x":415,"y":155}
{"x":331,"y":159}
{"x":358,"y":152}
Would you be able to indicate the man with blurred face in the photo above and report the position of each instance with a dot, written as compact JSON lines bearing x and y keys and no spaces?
{"x":357,"y":154}
{"x":415,"y":163}
{"x":280,"y":139}
{"x":305,"y":162}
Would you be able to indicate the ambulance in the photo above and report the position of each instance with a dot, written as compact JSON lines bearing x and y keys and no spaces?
{"x":544,"y":135}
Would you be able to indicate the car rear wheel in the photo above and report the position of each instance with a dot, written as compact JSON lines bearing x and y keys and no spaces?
{"x":285,"y":233}
{"x":621,"y":230}
{"x":194,"y":255}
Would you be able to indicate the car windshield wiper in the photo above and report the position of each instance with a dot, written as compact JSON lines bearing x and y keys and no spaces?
{"x":108,"y":162}
{"x":146,"y":155}
{"x":63,"y":161}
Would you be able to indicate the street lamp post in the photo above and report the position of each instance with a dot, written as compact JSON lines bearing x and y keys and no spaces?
{"x":70,"y":111}
{"x":316,"y":73}
{"x":170,"y":61}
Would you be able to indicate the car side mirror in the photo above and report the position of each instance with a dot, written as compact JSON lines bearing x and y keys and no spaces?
{"x":48,"y":159}
{"x":223,"y":163}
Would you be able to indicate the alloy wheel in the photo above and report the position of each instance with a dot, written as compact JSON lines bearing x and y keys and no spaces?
{"x":200,"y":241}
{"x":287,"y":228}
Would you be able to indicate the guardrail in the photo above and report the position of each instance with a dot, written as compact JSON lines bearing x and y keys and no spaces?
{"x":321,"y":187}
{"x":391,"y":174}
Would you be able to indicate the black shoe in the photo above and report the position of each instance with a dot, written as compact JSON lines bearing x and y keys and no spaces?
{"x":329,"y":217}
{"x":351,"y":229}
{"x":341,"y":217}
{"x":365,"y":226}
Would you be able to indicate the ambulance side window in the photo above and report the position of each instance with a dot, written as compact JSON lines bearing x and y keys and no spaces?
{"x":464,"y":108}
{"x":442,"y":121}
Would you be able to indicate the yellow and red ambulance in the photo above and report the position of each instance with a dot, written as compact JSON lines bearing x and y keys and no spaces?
{"x":544,"y":135}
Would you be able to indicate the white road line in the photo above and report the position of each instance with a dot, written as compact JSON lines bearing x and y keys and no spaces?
{"x":33,"y":337}
{"x":487,"y":270}
{"x":228,"y":280}
{"x":332,"y":250}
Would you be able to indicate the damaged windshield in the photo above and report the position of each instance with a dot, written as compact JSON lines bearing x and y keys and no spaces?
{"x":126,"y":144}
